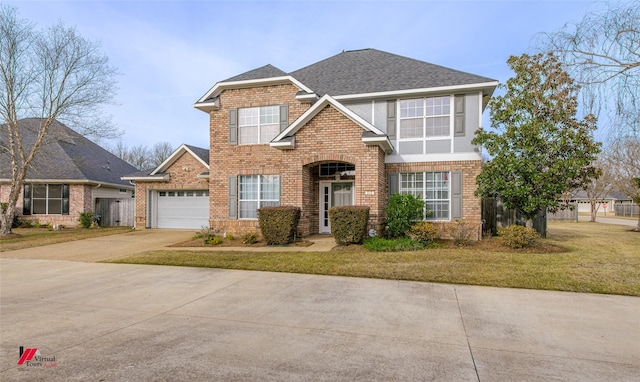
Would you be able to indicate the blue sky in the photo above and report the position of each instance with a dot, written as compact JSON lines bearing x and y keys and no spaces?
{"x":170,"y":53}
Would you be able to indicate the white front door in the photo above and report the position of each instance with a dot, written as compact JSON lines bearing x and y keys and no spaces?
{"x":333,"y":194}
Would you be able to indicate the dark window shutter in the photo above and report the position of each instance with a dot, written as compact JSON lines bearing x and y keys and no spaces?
{"x":65,"y":199}
{"x":233,"y":126}
{"x":391,"y":119}
{"x":456,"y":195}
{"x":280,"y":191}
{"x":233,"y":197}
{"x":26,"y":200}
{"x":284,"y":117}
{"x":394,"y":184}
{"x":459,"y":128}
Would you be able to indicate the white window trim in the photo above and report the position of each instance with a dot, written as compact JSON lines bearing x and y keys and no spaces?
{"x":425,"y":138}
{"x":259,"y":192}
{"x":259,"y":125}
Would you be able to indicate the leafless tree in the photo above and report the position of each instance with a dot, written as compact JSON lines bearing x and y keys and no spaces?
{"x":53,"y":74}
{"x":599,"y":187}
{"x":159,"y":153}
{"x":624,"y":161}
{"x":141,"y":156}
{"x":602,"y":52}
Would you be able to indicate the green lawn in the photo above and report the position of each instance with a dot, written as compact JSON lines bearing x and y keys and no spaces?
{"x":600,"y":259}
{"x":36,"y":237}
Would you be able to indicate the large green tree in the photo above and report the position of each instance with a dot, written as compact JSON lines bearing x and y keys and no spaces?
{"x":539,"y":149}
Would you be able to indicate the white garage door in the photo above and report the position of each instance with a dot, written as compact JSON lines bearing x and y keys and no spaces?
{"x":183,"y":209}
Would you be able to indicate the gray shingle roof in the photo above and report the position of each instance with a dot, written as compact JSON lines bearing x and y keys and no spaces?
{"x":372,"y":71}
{"x":266,"y":71}
{"x":200,"y":152}
{"x":66,"y":156}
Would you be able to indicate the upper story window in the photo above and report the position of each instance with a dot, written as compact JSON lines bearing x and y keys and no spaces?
{"x":258,"y":124}
{"x":425,"y":117}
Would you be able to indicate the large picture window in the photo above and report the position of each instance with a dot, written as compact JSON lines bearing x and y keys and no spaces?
{"x":46,"y":199}
{"x":425,"y":117}
{"x":256,"y":191}
{"x":433,"y":188}
{"x":258,"y":124}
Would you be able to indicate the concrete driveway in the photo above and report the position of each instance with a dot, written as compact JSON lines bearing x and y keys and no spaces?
{"x":113,"y":322}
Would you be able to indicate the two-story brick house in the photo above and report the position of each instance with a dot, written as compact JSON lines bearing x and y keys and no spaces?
{"x":349,"y":130}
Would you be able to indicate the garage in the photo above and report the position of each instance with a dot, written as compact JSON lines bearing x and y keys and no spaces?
{"x":184,"y":209}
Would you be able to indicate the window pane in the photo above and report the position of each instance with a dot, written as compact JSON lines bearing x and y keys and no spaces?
{"x":411,"y":128}
{"x":39,"y":206}
{"x":55,"y":191}
{"x":411,"y":108}
{"x":268,"y":132}
{"x":248,"y":209}
{"x":248,"y":187}
{"x":437,"y":126}
{"x":55,"y":206}
{"x":269,"y":115}
{"x":437,"y":106}
{"x":39,"y":191}
{"x":270,"y":188}
{"x":439,"y":210}
{"x":248,"y":135}
{"x":249,"y":116}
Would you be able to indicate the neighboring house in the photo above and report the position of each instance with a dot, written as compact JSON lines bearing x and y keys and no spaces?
{"x":69,"y":175}
{"x":349,"y":130}
{"x":176,"y":193}
{"x":611,"y":200}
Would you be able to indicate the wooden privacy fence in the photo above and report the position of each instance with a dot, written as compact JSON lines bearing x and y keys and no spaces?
{"x":115,"y":212}
{"x":627,"y":209}
{"x":567,"y":215}
{"x":495,"y":215}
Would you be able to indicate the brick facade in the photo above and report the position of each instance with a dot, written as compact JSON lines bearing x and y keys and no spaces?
{"x":183,"y":175}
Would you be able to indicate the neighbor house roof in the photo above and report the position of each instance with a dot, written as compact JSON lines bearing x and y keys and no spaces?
{"x":65,"y":156}
{"x":356,"y":74}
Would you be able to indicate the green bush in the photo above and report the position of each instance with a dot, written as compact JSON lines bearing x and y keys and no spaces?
{"x":230,"y":237}
{"x":213,"y":240}
{"x":461,"y":232}
{"x":279,"y":225}
{"x":403,"y":211}
{"x":86,"y":218}
{"x":423,"y":232}
{"x":515,"y":236}
{"x":349,"y":224}
{"x":403,"y":244}
{"x":249,"y":238}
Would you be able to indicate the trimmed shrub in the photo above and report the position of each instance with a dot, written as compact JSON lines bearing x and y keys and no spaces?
{"x":213,"y":240}
{"x":403,"y":211}
{"x":279,"y":225}
{"x":249,"y":238}
{"x":516,"y":236}
{"x":349,"y":224}
{"x":423,"y":232}
{"x":86,"y":218}
{"x":403,"y":244}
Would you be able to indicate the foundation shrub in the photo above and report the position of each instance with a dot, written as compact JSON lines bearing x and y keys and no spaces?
{"x":349,"y":224}
{"x":279,"y":225}
{"x":515,"y":236}
{"x":249,"y":238}
{"x":461,"y":232}
{"x":86,"y":218}
{"x":423,"y":232}
{"x":403,"y":210}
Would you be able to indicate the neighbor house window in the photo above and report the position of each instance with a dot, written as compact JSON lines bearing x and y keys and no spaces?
{"x":425,"y":117}
{"x":258,"y":124}
{"x":46,"y":199}
{"x":433,"y":188}
{"x":256,"y":191}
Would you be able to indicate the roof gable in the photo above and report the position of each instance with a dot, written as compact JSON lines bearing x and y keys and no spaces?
{"x":266,"y":71}
{"x":202,"y":155}
{"x":286,"y":139}
{"x":66,"y":155}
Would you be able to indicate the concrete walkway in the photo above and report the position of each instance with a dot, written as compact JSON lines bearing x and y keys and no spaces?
{"x":114,"y":322}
